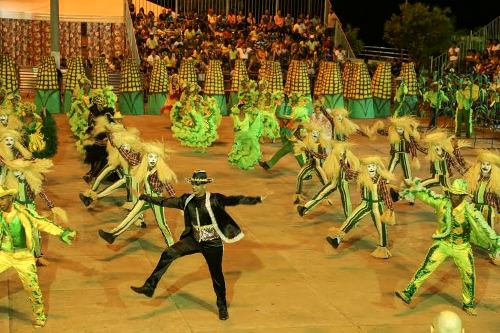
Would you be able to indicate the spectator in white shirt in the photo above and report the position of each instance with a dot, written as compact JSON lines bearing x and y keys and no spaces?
{"x":152,"y":58}
{"x":453,"y":53}
{"x":244,"y":51}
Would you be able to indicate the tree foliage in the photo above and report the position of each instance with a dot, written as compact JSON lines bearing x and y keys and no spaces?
{"x":423,"y":31}
{"x":352,"y":35}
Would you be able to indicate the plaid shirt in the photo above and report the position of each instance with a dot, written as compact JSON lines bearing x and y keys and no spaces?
{"x":490,"y":198}
{"x":349,"y":173}
{"x":460,"y":159}
{"x":158,"y":186}
{"x":30,"y":195}
{"x":449,"y":162}
{"x":383,"y":192}
{"x":133,"y":159}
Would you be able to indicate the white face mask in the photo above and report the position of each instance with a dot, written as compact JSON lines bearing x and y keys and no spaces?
{"x":400,"y":130}
{"x":4,"y":120}
{"x":126,"y":147}
{"x":152,"y":160}
{"x":19,"y":175}
{"x":372,"y":169}
{"x":339,"y":117}
{"x":485,"y":168}
{"x":9,"y":141}
{"x":315,"y":136}
{"x":439,"y":150}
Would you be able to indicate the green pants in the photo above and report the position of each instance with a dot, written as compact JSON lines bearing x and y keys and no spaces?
{"x":137,"y":212}
{"x":24,"y":263}
{"x":343,"y":187}
{"x":403,"y":159}
{"x":313,"y":164}
{"x":438,"y":253}
{"x":435,"y":180}
{"x":488,"y":213}
{"x":287,"y":148}
{"x":102,"y":175}
{"x":463,"y":116}
{"x":375,"y":209}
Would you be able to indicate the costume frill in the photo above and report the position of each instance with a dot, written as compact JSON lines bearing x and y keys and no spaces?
{"x":195,"y":119}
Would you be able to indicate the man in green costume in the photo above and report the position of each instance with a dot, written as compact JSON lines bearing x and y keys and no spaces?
{"x":18,"y":227}
{"x":459,"y":224}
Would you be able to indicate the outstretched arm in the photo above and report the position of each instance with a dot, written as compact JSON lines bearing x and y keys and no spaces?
{"x":234,"y":200}
{"x":414,"y":189}
{"x":172,"y":202}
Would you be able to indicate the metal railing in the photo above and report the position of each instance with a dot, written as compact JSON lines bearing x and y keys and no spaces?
{"x":384,"y":53}
{"x":475,"y":40}
{"x":257,"y":7}
{"x":340,"y":38}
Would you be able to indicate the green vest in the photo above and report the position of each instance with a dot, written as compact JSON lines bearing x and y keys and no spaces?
{"x":14,"y":235}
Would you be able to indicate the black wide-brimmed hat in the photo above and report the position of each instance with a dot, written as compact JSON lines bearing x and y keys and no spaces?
{"x":199,"y":177}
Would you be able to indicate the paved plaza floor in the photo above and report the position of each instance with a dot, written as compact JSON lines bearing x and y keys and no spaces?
{"x":282,"y":277}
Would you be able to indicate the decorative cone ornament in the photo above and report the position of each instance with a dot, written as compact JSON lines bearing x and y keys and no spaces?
{"x":75,"y":70}
{"x":187,"y":71}
{"x":382,"y":89}
{"x":274,"y":77}
{"x":158,"y":87}
{"x":407,"y":94}
{"x":8,"y":74}
{"x":297,"y":82}
{"x":319,"y":79}
{"x":47,"y":87}
{"x":214,"y":85}
{"x":100,"y":77}
{"x":238,"y":76}
{"x":331,"y":88}
{"x":131,"y":100}
{"x":264,"y":69}
{"x":359,"y":91}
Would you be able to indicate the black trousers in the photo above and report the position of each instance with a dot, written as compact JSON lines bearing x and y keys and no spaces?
{"x":211,"y":250}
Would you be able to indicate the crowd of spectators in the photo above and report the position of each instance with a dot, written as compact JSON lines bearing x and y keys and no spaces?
{"x":477,"y":61}
{"x":205,"y":36}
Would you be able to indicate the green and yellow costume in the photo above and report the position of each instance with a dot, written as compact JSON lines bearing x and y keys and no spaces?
{"x":457,"y":228}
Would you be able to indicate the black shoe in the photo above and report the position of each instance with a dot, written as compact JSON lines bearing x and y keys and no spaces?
{"x":308,"y":177}
{"x":402,"y":296}
{"x":335,"y":242}
{"x":264,"y":165}
{"x":147,"y":291}
{"x":394,"y":194}
{"x":87,"y":178}
{"x":223,"y":314}
{"x":107,"y":236}
{"x":143,"y":225}
{"x":85,"y":200}
{"x":301,"y":210}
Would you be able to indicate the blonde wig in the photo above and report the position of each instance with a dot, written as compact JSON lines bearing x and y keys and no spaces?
{"x":474,"y":172}
{"x":345,"y":126}
{"x":438,"y":138}
{"x":409,"y":124}
{"x":364,"y":178}
{"x":32,"y":170}
{"x":119,"y":139}
{"x":165,"y":174}
{"x":5,"y":152}
{"x":332,"y":162}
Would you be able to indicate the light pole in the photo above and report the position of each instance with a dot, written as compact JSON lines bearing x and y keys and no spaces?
{"x":54,"y":32}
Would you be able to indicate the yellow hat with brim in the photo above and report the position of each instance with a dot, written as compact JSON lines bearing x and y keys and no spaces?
{"x":5,"y":192}
{"x":459,"y":186}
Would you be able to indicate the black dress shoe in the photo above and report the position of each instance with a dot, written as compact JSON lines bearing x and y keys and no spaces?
{"x":335,"y":242}
{"x":301,"y":210}
{"x":144,"y":290}
{"x":264,"y":165}
{"x":85,"y":200}
{"x":394,"y":194}
{"x":223,"y":314}
{"x":87,"y":178}
{"x":143,"y":225}
{"x":107,"y":236}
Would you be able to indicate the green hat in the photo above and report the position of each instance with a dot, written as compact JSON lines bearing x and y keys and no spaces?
{"x":459,"y":186}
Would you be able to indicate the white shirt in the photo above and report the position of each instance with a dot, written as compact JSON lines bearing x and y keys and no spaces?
{"x":453,"y":53}
{"x":243,"y":53}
